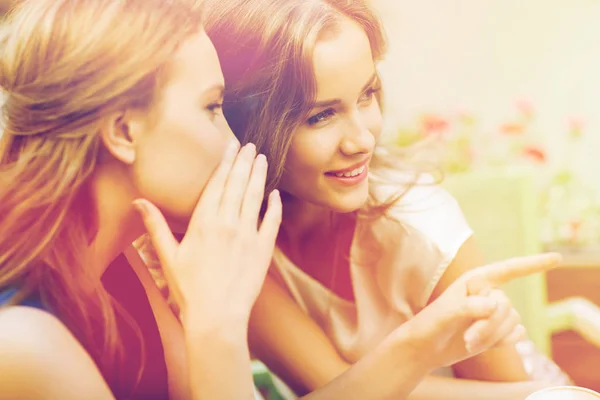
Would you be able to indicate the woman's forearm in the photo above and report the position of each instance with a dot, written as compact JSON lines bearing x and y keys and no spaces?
{"x":447,"y":388}
{"x":391,"y":371}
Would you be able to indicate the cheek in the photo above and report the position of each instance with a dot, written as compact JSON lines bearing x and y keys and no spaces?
{"x":311,"y":151}
{"x":173,"y":167}
{"x":301,"y":165}
{"x":375,"y":120}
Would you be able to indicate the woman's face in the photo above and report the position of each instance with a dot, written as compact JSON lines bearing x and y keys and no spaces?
{"x":183,"y":141}
{"x":329,"y":157}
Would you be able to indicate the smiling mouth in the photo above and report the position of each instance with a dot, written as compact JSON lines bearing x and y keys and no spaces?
{"x":349,"y":174}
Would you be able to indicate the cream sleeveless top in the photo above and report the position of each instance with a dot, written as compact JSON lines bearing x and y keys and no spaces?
{"x":395,"y":263}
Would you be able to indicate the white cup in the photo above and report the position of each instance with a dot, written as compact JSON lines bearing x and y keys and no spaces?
{"x":564,"y":393}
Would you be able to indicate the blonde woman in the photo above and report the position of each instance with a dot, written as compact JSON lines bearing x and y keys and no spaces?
{"x":112,"y":127}
{"x":366,"y":241}
{"x":108,"y":102}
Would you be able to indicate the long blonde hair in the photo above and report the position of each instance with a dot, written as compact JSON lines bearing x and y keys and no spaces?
{"x":65,"y":66}
{"x":266,"y":49}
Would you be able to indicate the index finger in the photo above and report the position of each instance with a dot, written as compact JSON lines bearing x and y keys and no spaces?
{"x":501,"y":272}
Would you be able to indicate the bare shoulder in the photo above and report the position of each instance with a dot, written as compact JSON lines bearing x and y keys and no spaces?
{"x":40,"y":358}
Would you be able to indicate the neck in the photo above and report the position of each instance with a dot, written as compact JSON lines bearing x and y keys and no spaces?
{"x":118,"y":222}
{"x":302,"y":219}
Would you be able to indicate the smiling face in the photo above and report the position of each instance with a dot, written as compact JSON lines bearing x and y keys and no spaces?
{"x":328,"y":160}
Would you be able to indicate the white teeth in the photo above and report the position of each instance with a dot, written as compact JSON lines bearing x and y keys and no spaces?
{"x":351,"y":174}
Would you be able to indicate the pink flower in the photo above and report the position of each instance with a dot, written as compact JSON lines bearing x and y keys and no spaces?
{"x":535,"y":153}
{"x":576,"y":126}
{"x":512,"y":128}
{"x":431,"y":123}
{"x":525,"y":108}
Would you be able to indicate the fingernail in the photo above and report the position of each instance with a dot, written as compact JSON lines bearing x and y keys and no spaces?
{"x":548,"y":258}
{"x":141,"y":206}
{"x":491,"y":305}
{"x":261,"y":159}
{"x":471,"y":339}
{"x":469,"y":347}
{"x":555,"y":258}
{"x":251,"y":147}
{"x":232,"y":148}
{"x":275,"y":195}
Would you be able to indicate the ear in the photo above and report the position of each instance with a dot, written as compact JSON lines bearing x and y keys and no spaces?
{"x":120,"y":134}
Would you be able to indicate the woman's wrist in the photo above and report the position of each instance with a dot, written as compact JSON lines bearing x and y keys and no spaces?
{"x":202,"y":324}
{"x":197,"y":317}
{"x":410,"y":345}
{"x":217,"y":354}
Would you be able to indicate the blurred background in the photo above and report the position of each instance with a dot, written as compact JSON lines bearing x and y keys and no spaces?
{"x":503,"y":83}
{"x":505,"y":95}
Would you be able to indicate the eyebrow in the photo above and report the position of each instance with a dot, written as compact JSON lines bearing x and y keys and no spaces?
{"x":217,"y":87}
{"x":333,"y":102}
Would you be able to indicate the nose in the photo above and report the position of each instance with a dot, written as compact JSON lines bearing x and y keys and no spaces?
{"x":357,"y":139}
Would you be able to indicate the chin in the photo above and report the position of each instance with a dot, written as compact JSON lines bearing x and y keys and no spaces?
{"x":350,"y":203}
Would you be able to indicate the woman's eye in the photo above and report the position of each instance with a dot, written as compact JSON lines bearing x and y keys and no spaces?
{"x":215,"y":107}
{"x":215,"y":110}
{"x":320,"y":117}
{"x":368,"y":95}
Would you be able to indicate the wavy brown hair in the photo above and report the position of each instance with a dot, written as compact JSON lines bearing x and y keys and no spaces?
{"x":266,"y":49}
{"x":65,"y":66}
